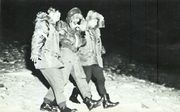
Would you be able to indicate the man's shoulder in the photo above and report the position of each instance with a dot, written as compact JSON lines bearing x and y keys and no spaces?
{"x":62,"y":24}
{"x":41,"y":24}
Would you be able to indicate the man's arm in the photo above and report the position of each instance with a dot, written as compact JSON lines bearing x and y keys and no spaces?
{"x":38,"y":40}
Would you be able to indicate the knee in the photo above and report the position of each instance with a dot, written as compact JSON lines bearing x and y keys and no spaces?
{"x":101,"y":80}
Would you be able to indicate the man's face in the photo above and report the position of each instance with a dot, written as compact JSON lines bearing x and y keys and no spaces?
{"x":92,"y":23}
{"x":76,"y":20}
{"x":54,"y":16}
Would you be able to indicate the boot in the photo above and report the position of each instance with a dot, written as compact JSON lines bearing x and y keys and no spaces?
{"x":48,"y":107}
{"x":107,"y":103}
{"x":91,"y":103}
{"x":74,"y":96}
{"x":66,"y":109}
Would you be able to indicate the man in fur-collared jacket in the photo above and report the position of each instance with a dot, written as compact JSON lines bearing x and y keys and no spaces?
{"x":91,"y":58}
{"x":45,"y":54}
{"x":71,"y":41}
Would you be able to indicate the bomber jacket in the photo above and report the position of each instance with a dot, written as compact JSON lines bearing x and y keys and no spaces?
{"x":71,"y":38}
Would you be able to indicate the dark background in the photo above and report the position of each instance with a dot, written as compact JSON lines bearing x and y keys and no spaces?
{"x":147,"y":31}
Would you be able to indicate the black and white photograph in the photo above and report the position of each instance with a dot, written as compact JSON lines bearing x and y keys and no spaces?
{"x":89,"y":56}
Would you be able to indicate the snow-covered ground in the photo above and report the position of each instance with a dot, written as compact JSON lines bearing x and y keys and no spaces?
{"x":22,"y":92}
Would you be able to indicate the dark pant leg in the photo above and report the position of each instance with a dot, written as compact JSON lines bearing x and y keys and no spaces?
{"x":100,"y":79}
{"x":88,"y":72}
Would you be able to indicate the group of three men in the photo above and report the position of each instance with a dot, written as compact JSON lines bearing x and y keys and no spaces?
{"x":73,"y":47}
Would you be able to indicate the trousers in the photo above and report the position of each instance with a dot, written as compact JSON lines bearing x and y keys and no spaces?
{"x":71,"y":66}
{"x":57,"y":82}
{"x":95,"y":72}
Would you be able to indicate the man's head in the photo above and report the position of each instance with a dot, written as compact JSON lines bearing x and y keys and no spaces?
{"x":74,"y":17}
{"x":54,"y":15}
{"x":95,"y":20}
{"x":41,"y":16}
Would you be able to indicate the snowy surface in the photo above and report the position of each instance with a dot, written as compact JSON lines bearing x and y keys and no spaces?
{"x":22,"y":92}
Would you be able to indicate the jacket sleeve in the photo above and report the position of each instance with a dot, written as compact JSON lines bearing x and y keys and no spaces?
{"x":62,"y":29}
{"x":39,"y":37}
{"x":101,"y":48}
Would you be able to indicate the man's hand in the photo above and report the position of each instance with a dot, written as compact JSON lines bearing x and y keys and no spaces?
{"x":83,"y":25}
{"x":34,"y":58}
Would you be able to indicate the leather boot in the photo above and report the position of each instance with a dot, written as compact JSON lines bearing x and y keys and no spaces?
{"x":74,"y":96}
{"x":107,"y":103}
{"x":91,"y":103}
{"x":66,"y":109}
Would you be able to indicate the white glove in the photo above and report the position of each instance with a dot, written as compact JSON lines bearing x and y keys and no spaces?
{"x":34,"y":58}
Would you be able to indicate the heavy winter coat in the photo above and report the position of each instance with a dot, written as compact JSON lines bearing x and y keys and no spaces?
{"x":91,"y":53}
{"x":71,"y":38}
{"x":45,"y":44}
